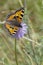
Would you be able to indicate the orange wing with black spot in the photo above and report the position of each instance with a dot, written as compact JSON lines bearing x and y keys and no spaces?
{"x":11,"y":29}
{"x":16,"y":15}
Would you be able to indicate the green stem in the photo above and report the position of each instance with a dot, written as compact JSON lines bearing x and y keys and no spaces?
{"x":34,"y":55}
{"x":16,"y":54}
{"x":33,"y":49}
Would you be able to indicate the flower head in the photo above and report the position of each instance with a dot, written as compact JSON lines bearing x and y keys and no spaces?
{"x":20,"y":33}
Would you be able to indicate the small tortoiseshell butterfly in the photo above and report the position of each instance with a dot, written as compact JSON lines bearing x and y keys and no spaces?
{"x":13,"y":21}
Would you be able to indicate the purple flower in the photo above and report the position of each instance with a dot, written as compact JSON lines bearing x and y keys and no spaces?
{"x":20,"y":33}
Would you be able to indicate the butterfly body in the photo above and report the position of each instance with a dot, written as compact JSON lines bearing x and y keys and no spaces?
{"x":13,"y":21}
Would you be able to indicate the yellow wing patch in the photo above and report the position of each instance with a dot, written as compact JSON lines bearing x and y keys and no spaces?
{"x":10,"y":29}
{"x":18,"y":14}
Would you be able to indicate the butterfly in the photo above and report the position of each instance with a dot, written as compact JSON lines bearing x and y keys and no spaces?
{"x":13,"y":21}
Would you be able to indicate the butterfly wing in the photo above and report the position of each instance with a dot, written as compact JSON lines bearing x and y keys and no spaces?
{"x":14,"y":20}
{"x":18,"y":15}
{"x":11,"y":29}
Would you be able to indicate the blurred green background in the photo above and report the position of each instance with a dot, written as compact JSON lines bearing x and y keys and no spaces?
{"x":28,"y":52}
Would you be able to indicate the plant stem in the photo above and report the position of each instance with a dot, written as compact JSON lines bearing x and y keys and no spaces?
{"x":16,"y":54}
